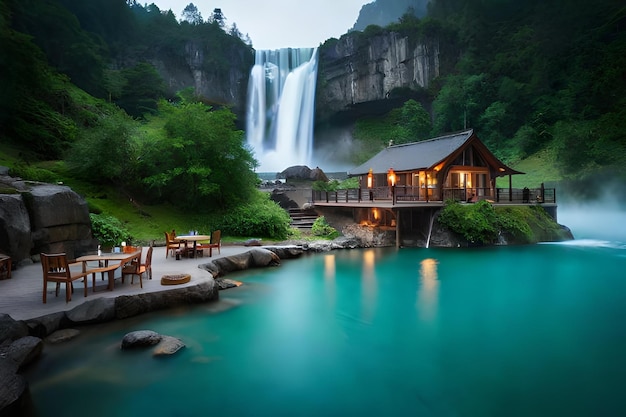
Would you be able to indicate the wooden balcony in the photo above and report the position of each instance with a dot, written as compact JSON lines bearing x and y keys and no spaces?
{"x":406,"y":196}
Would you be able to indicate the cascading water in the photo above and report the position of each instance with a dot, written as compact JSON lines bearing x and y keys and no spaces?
{"x":281,"y":107}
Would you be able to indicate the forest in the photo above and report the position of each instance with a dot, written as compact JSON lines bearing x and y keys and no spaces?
{"x":533,"y":78}
{"x":80,"y":101}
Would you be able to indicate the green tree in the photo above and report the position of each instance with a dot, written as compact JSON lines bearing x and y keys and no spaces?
{"x":34,"y":98}
{"x":105,"y":153}
{"x":414,"y":123}
{"x":202,"y":162}
{"x":142,"y":89}
{"x":218,"y":18}
{"x":191,"y":15}
{"x":68,"y":48}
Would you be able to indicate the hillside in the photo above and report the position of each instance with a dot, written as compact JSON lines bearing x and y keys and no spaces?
{"x":537,"y":82}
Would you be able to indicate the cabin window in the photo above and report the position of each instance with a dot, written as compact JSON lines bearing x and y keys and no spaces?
{"x":481,"y":184}
{"x":455,"y":180}
{"x":470,"y":157}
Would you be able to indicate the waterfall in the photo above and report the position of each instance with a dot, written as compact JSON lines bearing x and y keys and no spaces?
{"x":281,"y":107}
{"x":430,"y":229}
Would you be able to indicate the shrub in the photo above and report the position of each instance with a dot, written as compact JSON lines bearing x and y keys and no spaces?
{"x":513,"y":221}
{"x":481,"y":223}
{"x":323,"y":229}
{"x":261,"y":217}
{"x":530,"y":224}
{"x":32,"y":173}
{"x":108,"y":230}
{"x":477,"y":223}
{"x":348,"y":183}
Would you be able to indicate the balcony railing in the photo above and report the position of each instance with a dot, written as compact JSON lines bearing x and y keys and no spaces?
{"x":405,"y":193}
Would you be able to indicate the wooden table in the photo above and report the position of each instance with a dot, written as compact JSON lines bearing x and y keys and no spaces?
{"x":103,"y":259}
{"x":192,"y":238}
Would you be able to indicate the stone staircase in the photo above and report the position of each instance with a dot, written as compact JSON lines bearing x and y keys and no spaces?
{"x":302,"y":219}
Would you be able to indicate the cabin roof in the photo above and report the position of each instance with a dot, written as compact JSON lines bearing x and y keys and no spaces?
{"x":423,"y":155}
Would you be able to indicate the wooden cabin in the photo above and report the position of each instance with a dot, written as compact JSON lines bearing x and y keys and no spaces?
{"x":456,"y":166}
{"x":416,"y":179}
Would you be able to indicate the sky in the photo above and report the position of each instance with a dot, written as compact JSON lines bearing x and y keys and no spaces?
{"x":274,"y":24}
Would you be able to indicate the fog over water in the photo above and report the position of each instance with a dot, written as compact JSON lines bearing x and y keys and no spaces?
{"x":603,"y":218}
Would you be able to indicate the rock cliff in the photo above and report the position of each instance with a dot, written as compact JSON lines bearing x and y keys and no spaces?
{"x":357,"y":69}
{"x":223,"y":82}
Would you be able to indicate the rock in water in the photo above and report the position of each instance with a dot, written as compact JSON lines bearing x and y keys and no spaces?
{"x":140,"y":338}
{"x":168,"y":346}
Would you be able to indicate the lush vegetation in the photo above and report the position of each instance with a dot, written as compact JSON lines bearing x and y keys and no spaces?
{"x":109,"y":230}
{"x":80,"y":103}
{"x":321,"y":228}
{"x":334,"y":185}
{"x":145,"y":160}
{"x":409,"y":123}
{"x":531,"y":77}
{"x":482,"y":223}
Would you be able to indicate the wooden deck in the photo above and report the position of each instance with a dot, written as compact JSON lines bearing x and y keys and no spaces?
{"x":407,"y":196}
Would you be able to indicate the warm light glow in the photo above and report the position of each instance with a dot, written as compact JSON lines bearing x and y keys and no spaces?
{"x":501,"y":169}
{"x":368,"y":280}
{"x":375,"y":214}
{"x":330,"y":272}
{"x":370,"y":179}
{"x":391,"y":177}
{"x":329,"y":267}
{"x":428,"y":291}
{"x":428,"y":273}
{"x":368,"y":264}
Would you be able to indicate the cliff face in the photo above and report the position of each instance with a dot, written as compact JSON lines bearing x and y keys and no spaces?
{"x":354,"y":71}
{"x":220,"y":77}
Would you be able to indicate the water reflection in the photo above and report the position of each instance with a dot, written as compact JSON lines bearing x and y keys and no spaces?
{"x":369,"y":286}
{"x":428,"y":290}
{"x":330,"y":273}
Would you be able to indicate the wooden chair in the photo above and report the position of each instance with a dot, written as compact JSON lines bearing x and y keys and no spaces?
{"x":56,"y":269}
{"x":137,"y":268}
{"x":147,"y":267}
{"x":170,"y":244}
{"x":215,"y":242}
{"x":132,"y":267}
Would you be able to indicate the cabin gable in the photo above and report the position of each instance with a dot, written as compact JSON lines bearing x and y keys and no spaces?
{"x":456,"y":166}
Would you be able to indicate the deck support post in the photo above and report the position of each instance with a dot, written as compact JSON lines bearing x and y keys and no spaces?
{"x":397,"y":213}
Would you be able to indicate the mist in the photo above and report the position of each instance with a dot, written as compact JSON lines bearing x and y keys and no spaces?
{"x":603,"y":218}
{"x":333,"y":149}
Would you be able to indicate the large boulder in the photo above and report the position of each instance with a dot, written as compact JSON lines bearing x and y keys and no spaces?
{"x":140,"y":338}
{"x":39,"y":217}
{"x":303,"y":173}
{"x":14,"y":392}
{"x":15,"y":236}
{"x":133,"y":305}
{"x":254,"y":258}
{"x":23,"y":351}
{"x":59,"y":220}
{"x":318,"y":175}
{"x":11,"y":329}
{"x":296,"y":172}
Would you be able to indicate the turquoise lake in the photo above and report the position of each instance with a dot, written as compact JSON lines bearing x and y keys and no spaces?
{"x":504,"y":331}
